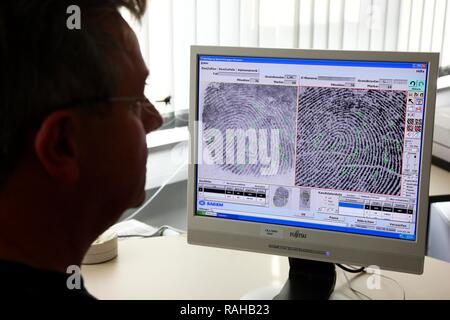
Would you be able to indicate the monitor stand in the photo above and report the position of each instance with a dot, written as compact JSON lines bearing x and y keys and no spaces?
{"x":308,"y":280}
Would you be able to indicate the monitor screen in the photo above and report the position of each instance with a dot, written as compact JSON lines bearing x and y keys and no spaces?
{"x":317,"y":154}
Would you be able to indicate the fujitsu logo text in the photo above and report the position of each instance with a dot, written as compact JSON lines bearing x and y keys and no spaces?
{"x":297,"y":234}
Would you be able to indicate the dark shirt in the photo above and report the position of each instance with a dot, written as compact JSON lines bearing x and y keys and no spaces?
{"x":19,"y":281}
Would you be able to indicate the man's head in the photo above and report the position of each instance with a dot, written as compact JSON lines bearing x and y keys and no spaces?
{"x":73,"y":116}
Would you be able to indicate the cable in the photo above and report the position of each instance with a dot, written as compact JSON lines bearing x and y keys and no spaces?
{"x":398,"y":284}
{"x":174,"y":229}
{"x":157,"y":233}
{"x":357,"y":292}
{"x":156,"y":193}
{"x":358,"y":270}
{"x":361,"y":270}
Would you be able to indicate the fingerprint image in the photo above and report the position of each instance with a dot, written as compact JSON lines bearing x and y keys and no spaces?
{"x":257,"y":112}
{"x":349,"y":139}
{"x":281,"y":197}
{"x":305,"y":198}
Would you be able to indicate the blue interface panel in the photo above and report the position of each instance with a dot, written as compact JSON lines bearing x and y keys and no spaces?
{"x":323,"y":144}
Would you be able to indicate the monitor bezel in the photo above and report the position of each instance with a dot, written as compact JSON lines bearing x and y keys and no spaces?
{"x":322,"y":245}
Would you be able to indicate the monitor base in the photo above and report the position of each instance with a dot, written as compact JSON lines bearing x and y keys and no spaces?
{"x":270,"y":291}
{"x":308,"y":280}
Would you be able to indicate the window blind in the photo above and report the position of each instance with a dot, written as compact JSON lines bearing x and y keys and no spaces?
{"x":170,"y":27}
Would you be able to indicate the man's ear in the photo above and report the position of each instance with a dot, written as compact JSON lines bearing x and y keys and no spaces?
{"x":56,"y":146}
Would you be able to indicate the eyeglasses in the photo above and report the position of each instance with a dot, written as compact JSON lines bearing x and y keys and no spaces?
{"x":137,"y":104}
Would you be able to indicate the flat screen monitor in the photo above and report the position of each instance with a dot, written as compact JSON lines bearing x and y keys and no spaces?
{"x":312,"y":154}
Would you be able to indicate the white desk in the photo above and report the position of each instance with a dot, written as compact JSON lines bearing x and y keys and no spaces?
{"x":169,"y":268}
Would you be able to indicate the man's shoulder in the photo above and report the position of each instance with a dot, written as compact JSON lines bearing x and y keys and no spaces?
{"x":20,"y":281}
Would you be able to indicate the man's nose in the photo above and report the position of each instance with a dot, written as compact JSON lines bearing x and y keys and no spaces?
{"x":151,"y":118}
